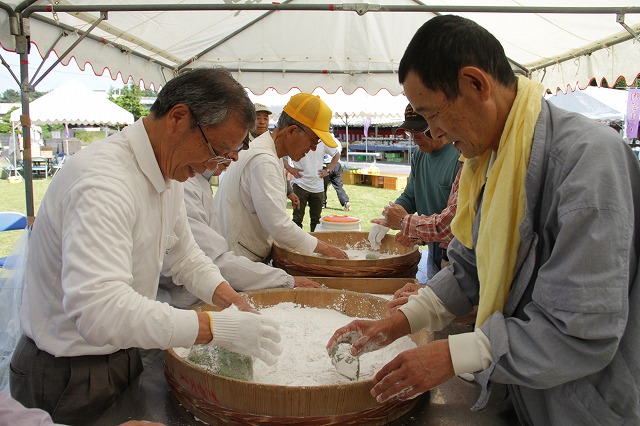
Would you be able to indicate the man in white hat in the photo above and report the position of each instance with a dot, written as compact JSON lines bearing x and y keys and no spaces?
{"x":262,"y":121}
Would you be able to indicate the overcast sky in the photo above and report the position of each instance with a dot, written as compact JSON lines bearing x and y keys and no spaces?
{"x":58,"y":76}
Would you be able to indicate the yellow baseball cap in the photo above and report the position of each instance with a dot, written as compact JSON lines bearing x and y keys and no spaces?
{"x":311,"y":111}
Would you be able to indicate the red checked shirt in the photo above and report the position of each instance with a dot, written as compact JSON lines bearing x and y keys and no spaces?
{"x":437,"y":227}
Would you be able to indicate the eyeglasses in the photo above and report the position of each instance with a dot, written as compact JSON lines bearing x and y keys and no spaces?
{"x":412,"y":133}
{"x":217,"y":158}
{"x":314,"y":138}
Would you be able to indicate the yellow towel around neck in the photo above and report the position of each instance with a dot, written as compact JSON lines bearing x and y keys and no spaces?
{"x":504,"y":202}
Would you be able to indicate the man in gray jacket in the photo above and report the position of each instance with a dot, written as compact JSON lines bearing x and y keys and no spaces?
{"x":547,"y":238}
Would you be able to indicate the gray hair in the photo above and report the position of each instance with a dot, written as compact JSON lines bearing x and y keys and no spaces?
{"x":286,"y":120}
{"x":211,"y":94}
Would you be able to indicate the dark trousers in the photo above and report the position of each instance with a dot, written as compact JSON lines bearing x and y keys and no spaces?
{"x":314,"y":199}
{"x":335,"y":179}
{"x":74,"y":390}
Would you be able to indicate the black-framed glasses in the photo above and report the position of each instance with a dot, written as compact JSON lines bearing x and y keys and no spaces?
{"x":217,"y":158}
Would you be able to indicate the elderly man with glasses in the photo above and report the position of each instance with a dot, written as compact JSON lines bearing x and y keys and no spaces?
{"x":107,"y":223}
{"x":431,"y":192}
{"x":251,"y":199}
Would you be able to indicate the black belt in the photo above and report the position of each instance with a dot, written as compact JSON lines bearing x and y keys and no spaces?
{"x":121,"y":351}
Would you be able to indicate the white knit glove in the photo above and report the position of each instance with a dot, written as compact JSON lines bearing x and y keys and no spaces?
{"x":376,"y":234}
{"x":246,"y":333}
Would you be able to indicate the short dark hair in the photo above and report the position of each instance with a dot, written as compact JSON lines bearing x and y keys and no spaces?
{"x":447,"y":43}
{"x":211,"y":94}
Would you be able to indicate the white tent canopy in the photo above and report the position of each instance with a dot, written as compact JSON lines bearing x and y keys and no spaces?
{"x":319,"y":43}
{"x":306,"y":44}
{"x":75,"y":104}
{"x":597,"y":103}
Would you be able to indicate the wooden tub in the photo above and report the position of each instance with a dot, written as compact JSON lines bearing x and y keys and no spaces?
{"x":404,"y":262}
{"x":219,"y":400}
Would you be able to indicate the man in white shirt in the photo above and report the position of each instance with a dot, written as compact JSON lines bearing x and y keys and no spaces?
{"x":251,"y":198}
{"x":242,"y":273}
{"x":308,"y":182}
{"x":107,"y":223}
{"x":262,"y":125}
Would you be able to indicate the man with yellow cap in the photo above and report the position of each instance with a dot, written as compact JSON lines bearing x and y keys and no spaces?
{"x":251,"y":198}
{"x":262,"y":125}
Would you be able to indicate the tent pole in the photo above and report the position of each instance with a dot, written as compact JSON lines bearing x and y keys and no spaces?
{"x":15,"y":156}
{"x":346,"y":134}
{"x":25,"y":120}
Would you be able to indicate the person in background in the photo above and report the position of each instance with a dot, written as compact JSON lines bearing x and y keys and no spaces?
{"x":108,"y":221}
{"x":242,"y":273}
{"x":308,"y":182}
{"x":14,"y":413}
{"x":547,"y":243}
{"x":262,"y":121}
{"x":334,"y":177}
{"x":251,"y":199}
{"x":434,"y":169}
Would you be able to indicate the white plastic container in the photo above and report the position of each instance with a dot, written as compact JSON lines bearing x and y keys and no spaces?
{"x":338,"y":222}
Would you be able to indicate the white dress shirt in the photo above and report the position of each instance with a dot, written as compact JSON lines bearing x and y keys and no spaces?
{"x":252,"y":204}
{"x":97,"y":248}
{"x":242,"y":273}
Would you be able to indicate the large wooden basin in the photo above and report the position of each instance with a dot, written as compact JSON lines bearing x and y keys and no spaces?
{"x":219,"y":400}
{"x":403,"y":263}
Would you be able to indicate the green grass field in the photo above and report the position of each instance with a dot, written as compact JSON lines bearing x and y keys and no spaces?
{"x":366,"y":203}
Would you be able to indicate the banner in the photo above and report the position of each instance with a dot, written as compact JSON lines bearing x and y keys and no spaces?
{"x":633,"y":114}
{"x":367,"y":123}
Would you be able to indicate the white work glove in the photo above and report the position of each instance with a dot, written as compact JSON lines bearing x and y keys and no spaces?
{"x":246,"y":333}
{"x":376,"y":234}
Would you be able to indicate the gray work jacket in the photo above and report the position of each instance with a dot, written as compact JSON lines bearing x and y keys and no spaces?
{"x":568,"y":343}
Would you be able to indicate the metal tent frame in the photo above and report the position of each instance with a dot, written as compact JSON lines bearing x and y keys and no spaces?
{"x":167,"y":65}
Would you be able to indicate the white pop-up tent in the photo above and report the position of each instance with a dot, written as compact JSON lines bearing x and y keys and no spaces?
{"x":72,"y":104}
{"x":597,"y":103}
{"x":315,"y":43}
{"x":320,"y":43}
{"x":75,"y":104}
{"x":356,"y":107}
